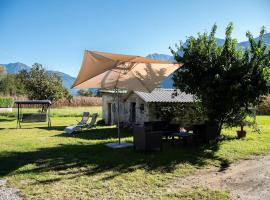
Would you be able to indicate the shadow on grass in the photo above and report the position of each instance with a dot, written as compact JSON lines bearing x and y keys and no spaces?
{"x":90,"y":159}
{"x":97,"y":133}
{"x":7,"y":119}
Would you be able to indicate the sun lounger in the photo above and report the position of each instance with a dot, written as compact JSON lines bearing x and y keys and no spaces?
{"x":80,"y":125}
{"x":71,"y":129}
{"x":93,"y":121}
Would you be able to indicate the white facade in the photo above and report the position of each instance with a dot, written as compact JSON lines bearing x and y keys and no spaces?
{"x":140,"y":107}
{"x":132,"y":110}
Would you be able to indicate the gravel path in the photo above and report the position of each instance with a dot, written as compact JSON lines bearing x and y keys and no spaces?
{"x":246,"y":179}
{"x":7,"y":193}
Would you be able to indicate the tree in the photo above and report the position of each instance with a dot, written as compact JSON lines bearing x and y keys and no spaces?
{"x":2,"y":70}
{"x":11,"y":85}
{"x":86,"y":93}
{"x":40,"y":84}
{"x":226,"y":80}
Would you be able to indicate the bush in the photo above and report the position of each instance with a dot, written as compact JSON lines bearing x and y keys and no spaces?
{"x":264,"y":107}
{"x":6,"y":102}
{"x":101,"y":122}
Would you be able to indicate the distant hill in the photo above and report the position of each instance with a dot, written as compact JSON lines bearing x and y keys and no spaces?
{"x":161,"y":57}
{"x":245,"y":44}
{"x":14,"y":68}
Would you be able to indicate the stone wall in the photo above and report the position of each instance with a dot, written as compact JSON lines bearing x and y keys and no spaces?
{"x":144,"y":111}
{"x":142,"y":115}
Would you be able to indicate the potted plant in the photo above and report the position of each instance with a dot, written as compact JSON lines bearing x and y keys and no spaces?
{"x":242,"y":133}
{"x":243,"y":118}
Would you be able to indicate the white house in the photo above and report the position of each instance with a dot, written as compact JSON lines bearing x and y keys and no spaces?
{"x":139,"y":107}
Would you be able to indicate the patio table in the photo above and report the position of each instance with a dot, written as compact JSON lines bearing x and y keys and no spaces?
{"x":185,"y":136}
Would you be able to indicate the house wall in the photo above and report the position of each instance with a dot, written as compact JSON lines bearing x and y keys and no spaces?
{"x":109,"y":98}
{"x":142,"y":115}
{"x":148,"y":114}
{"x":124,"y":109}
{"x":186,"y":118}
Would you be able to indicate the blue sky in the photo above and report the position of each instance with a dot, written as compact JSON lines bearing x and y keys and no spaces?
{"x":55,"y":33}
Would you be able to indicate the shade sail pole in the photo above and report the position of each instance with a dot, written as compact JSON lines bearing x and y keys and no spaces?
{"x":118,"y":115}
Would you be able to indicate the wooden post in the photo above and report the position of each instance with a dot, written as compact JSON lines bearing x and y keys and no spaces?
{"x":18,"y":116}
{"x":49,"y":117}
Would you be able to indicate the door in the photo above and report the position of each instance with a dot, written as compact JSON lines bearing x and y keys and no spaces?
{"x":109,"y":117}
{"x":132,"y":112}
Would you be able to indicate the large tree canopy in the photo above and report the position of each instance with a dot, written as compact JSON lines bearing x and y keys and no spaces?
{"x":225,"y":79}
{"x":40,"y":84}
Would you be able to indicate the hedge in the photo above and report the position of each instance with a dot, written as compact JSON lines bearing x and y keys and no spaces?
{"x":6,"y":102}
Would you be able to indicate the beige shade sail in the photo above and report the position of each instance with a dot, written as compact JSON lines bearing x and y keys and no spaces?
{"x":107,"y":70}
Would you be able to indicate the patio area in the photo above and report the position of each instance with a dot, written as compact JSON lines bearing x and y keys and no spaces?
{"x":47,"y":163}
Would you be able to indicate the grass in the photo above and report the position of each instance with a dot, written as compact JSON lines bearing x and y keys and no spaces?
{"x":59,"y":112}
{"x":48,"y":164}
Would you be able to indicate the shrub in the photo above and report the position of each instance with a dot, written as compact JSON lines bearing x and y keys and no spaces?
{"x":101,"y":122}
{"x":6,"y":102}
{"x":264,"y":107}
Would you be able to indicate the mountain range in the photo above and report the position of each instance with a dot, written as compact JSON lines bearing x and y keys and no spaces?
{"x":14,"y":68}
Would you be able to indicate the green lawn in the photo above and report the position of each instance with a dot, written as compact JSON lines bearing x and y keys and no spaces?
{"x":48,"y":164}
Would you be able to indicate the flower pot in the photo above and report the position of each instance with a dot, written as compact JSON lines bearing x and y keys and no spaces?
{"x":241,"y":134}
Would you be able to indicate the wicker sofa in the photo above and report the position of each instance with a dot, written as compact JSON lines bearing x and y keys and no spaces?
{"x":149,"y":137}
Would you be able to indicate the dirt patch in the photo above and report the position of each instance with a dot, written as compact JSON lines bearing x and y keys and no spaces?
{"x":246,"y":179}
{"x":7,"y":193}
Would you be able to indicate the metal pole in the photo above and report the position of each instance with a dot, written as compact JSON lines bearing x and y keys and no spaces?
{"x":118,"y":115}
{"x":18,"y":113}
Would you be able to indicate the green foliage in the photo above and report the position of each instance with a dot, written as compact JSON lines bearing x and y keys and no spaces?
{"x":184,"y":113}
{"x":11,"y":85}
{"x":264,"y":106}
{"x":168,"y":111}
{"x":2,"y":70}
{"x":6,"y":102}
{"x":101,"y":122}
{"x":226,"y":80}
{"x":40,"y":84}
{"x":86,"y":93}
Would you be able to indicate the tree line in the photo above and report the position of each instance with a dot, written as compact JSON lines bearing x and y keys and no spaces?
{"x":34,"y":84}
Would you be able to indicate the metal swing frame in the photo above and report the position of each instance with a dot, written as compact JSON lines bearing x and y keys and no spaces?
{"x":44,"y":116}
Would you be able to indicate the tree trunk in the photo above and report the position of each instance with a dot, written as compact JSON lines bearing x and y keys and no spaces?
{"x":242,"y":128}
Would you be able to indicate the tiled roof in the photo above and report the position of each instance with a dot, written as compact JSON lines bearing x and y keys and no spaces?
{"x":113,"y":91}
{"x":165,"y":95}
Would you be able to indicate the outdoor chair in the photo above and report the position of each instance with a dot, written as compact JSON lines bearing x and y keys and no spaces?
{"x":145,"y":139}
{"x":84,"y":119}
{"x":80,"y":125}
{"x":93,"y":121}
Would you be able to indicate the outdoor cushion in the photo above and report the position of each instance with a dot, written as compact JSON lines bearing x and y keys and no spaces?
{"x":71,"y":129}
